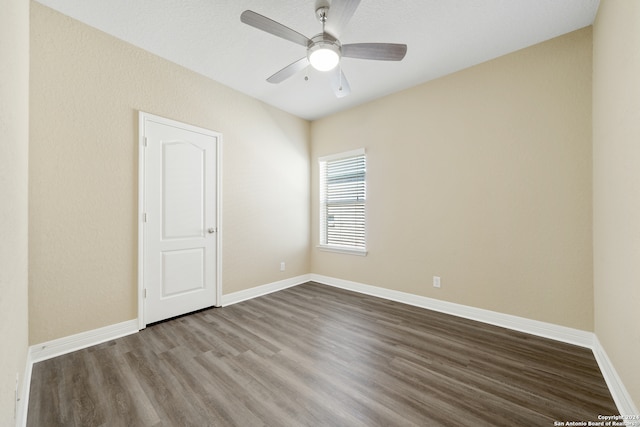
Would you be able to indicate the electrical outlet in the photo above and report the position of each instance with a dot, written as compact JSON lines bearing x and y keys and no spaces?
{"x":282,"y":266}
{"x":436,"y":281}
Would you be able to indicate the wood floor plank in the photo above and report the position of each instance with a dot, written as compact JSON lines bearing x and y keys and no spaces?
{"x":314,"y":355}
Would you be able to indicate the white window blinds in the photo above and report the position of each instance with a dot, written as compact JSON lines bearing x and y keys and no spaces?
{"x":342,"y":201}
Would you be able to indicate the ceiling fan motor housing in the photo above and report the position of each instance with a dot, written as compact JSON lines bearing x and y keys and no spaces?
{"x":324,"y":52}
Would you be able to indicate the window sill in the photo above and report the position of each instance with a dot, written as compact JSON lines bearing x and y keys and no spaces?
{"x":343,"y":250}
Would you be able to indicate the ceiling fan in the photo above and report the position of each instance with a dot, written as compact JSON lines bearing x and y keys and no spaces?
{"x":324,"y":50}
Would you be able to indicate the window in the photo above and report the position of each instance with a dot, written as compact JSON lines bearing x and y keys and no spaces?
{"x":342,"y":202}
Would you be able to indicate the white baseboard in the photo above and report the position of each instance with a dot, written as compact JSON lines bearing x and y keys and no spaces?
{"x":23,"y":402}
{"x":618,"y":391}
{"x":257,"y":291}
{"x":57,"y":347}
{"x":542,"y":329}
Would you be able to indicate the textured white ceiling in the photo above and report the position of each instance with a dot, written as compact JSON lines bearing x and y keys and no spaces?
{"x":443,"y":36}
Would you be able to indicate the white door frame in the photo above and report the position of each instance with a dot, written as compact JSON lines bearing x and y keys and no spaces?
{"x":142,"y":118}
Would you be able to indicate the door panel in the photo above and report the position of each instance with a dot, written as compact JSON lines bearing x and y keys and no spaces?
{"x":182,"y":272}
{"x":180,"y":203}
{"x":183,"y":190}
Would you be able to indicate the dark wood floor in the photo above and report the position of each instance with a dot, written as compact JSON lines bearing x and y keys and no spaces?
{"x":314,"y":355}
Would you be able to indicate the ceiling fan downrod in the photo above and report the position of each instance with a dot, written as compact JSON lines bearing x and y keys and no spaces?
{"x":324,"y":51}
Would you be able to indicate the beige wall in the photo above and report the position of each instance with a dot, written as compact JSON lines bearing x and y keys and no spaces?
{"x":616,"y":186}
{"x":14,"y":149}
{"x":483,"y":178}
{"x":86,"y":90}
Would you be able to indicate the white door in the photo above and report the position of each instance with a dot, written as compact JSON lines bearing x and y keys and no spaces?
{"x":179,"y":219}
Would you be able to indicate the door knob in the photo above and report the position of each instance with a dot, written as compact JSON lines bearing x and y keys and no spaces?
{"x":211,"y":230}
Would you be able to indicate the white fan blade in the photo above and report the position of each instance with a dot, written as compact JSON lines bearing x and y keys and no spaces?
{"x":289,"y":70}
{"x":263,"y":23}
{"x":340,"y":13}
{"x":376,"y":51}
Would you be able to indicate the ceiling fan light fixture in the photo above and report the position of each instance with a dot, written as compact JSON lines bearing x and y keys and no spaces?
{"x":324,"y":55}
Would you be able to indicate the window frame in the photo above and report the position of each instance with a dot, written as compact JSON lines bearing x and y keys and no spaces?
{"x":322,"y":225}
